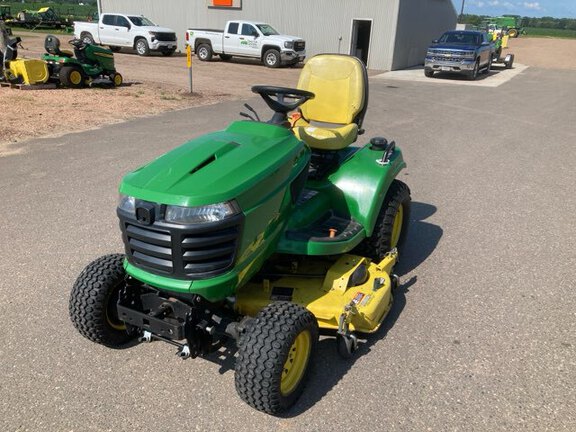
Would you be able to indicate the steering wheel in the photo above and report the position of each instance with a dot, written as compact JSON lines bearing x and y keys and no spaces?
{"x":78,"y":43}
{"x":280,"y":104}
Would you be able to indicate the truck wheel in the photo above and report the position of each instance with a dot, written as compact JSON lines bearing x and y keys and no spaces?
{"x":488,"y":66}
{"x":513,"y":33}
{"x":474,"y":74}
{"x":204,"y":52}
{"x":429,"y":73}
{"x":92,"y":305}
{"x":391,"y":224}
{"x":274,"y":357}
{"x":272,"y":58}
{"x":71,"y":76}
{"x":87,"y":38}
{"x":225,"y":57}
{"x":142,"y":47}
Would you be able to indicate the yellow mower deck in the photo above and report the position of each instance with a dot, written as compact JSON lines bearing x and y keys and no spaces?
{"x":351,"y":291}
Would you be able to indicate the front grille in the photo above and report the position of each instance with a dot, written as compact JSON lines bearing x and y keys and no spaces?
{"x":299,"y":45}
{"x":447,"y":59}
{"x":181,"y":251}
{"x":166,"y":37}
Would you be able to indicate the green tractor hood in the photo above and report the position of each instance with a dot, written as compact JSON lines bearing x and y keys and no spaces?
{"x":217,"y":167}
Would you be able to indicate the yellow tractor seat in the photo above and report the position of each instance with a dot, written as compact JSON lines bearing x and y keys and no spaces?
{"x":326,"y":136}
{"x":333,"y":119}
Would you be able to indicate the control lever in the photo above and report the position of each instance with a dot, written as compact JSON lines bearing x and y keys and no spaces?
{"x":248,"y":116}
{"x":253,"y":111}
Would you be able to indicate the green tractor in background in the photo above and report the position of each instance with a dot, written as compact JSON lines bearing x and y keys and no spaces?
{"x":79,"y":68}
{"x":265,"y":233}
{"x":82,"y":67}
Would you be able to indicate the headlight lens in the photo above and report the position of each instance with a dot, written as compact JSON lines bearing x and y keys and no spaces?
{"x":289,"y":44}
{"x":127,"y":203}
{"x":151,"y":33}
{"x":202,"y":214}
{"x":469,"y":54}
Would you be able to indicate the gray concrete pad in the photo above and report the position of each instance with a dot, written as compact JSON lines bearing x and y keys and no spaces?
{"x":482,"y":334}
{"x":495,"y":78}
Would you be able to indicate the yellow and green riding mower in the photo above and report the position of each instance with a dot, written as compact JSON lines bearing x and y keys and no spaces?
{"x":264,"y":233}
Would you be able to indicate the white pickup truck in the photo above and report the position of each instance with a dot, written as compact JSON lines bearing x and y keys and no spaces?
{"x":129,"y":31}
{"x":247,"y":39}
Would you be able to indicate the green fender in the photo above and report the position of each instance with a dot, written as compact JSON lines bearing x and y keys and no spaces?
{"x":364,"y":181}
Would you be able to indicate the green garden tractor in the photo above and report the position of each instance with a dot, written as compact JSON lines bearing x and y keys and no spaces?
{"x":266,"y":234}
{"x":82,"y":66}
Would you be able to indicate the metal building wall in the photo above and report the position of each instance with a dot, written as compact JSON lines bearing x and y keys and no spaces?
{"x":326,"y":25}
{"x":320,"y":22}
{"x":420,"y":21}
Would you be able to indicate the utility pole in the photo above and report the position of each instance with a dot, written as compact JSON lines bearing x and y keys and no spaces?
{"x":461,"y":12}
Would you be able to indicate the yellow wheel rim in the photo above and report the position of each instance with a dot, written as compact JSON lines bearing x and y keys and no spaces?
{"x":397,"y":226}
{"x":117,"y":80}
{"x":75,"y":77}
{"x":113,"y":321}
{"x":296,"y":363}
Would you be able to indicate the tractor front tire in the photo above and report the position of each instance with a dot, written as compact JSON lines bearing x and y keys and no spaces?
{"x":429,"y":73}
{"x":391,"y":224}
{"x":513,"y":33}
{"x":142,"y":47}
{"x":274,"y":356}
{"x":272,"y":58}
{"x":92,"y":305}
{"x":71,"y":76}
{"x":116,"y":79}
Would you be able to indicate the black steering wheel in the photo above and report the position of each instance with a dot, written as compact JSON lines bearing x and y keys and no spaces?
{"x":77,"y":43}
{"x":280,"y":105}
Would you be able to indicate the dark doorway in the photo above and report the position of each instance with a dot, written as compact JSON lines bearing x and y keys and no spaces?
{"x":360,"y":40}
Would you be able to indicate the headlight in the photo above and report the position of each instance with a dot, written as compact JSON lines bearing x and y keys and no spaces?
{"x":151,"y":33}
{"x":469,"y":54}
{"x":202,"y":214}
{"x":289,"y":44}
{"x":127,"y":203}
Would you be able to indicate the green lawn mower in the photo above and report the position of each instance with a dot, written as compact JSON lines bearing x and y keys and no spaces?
{"x":265,"y":233}
{"x":79,"y":68}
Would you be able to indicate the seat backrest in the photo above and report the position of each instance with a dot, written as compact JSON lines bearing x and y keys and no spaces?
{"x":52,"y":45}
{"x":340,"y":85}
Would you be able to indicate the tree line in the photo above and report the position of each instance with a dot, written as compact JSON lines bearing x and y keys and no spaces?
{"x":543,"y":22}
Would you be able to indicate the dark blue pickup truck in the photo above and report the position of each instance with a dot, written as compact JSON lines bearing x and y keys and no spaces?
{"x":460,"y":51}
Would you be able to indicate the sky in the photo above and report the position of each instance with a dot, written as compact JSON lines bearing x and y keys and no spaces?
{"x":529,"y":8}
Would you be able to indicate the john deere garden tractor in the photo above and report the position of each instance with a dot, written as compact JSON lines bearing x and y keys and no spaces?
{"x":265,"y":233}
{"x":78,"y":68}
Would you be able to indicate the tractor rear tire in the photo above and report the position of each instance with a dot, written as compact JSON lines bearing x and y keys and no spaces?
{"x":71,"y":76}
{"x":391,"y":225}
{"x":429,"y":73}
{"x":274,"y":356}
{"x":513,"y":33}
{"x":93,"y":299}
